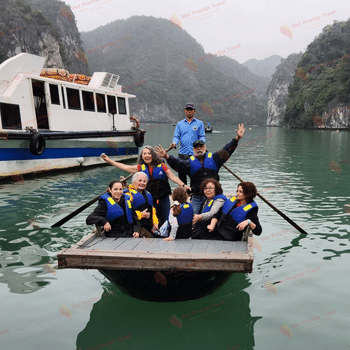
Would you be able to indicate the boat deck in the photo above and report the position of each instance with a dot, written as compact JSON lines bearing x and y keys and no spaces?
{"x":155,"y":254}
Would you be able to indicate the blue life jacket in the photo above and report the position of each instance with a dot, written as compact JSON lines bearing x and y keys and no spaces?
{"x":208,"y":206}
{"x":185,"y":221}
{"x":115,"y":211}
{"x":200,"y":172}
{"x":238,"y":214}
{"x":139,"y":201}
{"x":158,"y":183}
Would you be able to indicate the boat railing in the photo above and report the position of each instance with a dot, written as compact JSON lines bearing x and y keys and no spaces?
{"x":247,"y":233}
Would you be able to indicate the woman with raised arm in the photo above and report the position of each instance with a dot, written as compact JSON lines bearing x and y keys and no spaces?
{"x":158,"y":175}
{"x":115,"y":213}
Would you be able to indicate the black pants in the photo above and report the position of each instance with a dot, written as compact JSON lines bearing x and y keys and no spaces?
{"x":181,"y":175}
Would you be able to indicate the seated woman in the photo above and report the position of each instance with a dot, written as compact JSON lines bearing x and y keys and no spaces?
{"x":142,"y":202}
{"x":204,"y":222}
{"x":158,"y":174}
{"x":115,"y":213}
{"x":239,"y":212}
{"x":179,"y":223}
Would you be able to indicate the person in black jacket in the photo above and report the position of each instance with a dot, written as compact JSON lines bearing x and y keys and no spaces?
{"x":239,"y":212}
{"x":115,"y":213}
{"x":204,"y":222}
{"x":202,"y":165}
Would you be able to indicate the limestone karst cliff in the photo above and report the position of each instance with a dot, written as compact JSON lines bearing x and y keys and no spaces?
{"x":43,"y":28}
{"x":277,"y":91}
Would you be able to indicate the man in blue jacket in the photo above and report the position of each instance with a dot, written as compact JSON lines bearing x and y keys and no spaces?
{"x":202,"y":165}
{"x":186,"y":132}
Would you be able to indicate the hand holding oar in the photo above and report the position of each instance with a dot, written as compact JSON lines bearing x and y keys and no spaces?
{"x":82,"y":208}
{"x":284,"y":216}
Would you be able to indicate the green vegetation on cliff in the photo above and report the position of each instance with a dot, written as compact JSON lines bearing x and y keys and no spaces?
{"x":322,"y":78}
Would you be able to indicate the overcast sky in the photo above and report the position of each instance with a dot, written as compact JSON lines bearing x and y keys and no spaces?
{"x":239,"y":29}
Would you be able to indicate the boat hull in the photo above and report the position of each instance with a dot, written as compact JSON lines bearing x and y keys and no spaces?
{"x":62,"y":151}
{"x":167,"y":286}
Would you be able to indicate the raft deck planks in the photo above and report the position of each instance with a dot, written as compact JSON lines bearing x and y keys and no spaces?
{"x":154,"y":254}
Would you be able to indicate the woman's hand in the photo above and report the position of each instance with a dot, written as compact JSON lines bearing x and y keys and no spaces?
{"x":240,"y":131}
{"x":154,"y":228}
{"x":136,"y":234}
{"x":107,"y":226}
{"x":211,"y":227}
{"x":188,"y":188}
{"x":161,"y":152}
{"x":146,"y":214}
{"x":241,"y":226}
{"x":105,"y":157}
{"x":196,"y":218}
{"x":168,"y":239}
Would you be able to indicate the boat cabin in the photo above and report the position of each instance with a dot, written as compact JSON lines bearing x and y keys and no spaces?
{"x":54,"y":100}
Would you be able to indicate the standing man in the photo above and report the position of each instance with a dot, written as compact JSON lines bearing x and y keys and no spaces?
{"x":202,"y":165}
{"x":186,"y":132}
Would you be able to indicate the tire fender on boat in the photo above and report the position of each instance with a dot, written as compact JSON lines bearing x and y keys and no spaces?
{"x":139,"y":138}
{"x":37,"y":144}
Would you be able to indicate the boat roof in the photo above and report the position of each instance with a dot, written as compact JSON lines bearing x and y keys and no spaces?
{"x":154,"y":254}
{"x":32,"y":66}
{"x":24,"y":63}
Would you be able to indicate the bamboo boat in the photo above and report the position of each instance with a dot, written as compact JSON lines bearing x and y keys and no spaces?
{"x":154,"y":270}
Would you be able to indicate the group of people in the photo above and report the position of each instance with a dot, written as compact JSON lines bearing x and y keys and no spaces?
{"x":143,"y":209}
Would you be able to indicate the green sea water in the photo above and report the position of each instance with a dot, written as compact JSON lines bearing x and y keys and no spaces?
{"x":295,"y":298}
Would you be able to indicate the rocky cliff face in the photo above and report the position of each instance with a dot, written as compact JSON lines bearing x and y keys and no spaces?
{"x":337,"y":118}
{"x":277,"y":91}
{"x":45,"y":29}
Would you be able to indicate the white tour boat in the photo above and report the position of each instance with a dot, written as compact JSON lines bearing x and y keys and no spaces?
{"x":50,"y":119}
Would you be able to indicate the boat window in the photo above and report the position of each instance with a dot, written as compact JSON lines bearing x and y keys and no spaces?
{"x":101,"y":103}
{"x":88,"y":101}
{"x":73,"y":98}
{"x":10,"y":116}
{"x":63,"y":98}
{"x":112,"y":106}
{"x":121,"y":105}
{"x":55,"y":99}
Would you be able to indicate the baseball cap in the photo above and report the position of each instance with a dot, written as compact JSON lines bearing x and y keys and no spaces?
{"x":198,"y":142}
{"x":189,"y":105}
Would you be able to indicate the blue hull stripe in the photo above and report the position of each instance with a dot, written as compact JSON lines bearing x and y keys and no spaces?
{"x":54,"y":153}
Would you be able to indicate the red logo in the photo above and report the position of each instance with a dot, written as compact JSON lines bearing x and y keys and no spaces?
{"x":334,"y":166}
{"x":66,"y":12}
{"x":64,"y":310}
{"x":207,"y":108}
{"x":176,"y":21}
{"x":270,"y":287}
{"x":285,"y":30}
{"x":190,"y":64}
{"x":301,"y":74}
{"x":285,"y":330}
{"x":160,"y":278}
{"x":175,"y":321}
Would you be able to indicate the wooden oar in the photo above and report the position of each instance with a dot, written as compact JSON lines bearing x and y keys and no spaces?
{"x":83,"y":207}
{"x":284,"y":216}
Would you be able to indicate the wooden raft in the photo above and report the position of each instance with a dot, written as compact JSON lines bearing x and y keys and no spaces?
{"x":154,"y":254}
